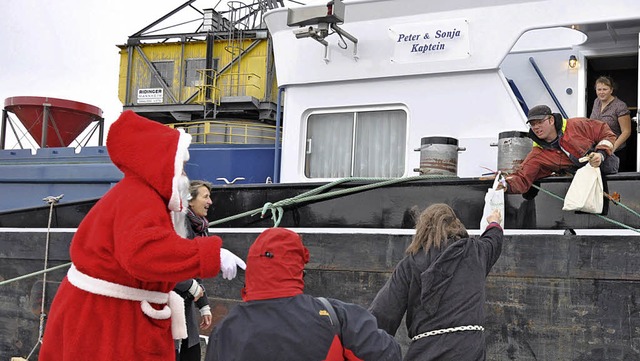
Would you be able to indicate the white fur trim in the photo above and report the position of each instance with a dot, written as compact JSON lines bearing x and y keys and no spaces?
{"x":174,"y":309}
{"x":606,"y":143}
{"x":178,"y":317}
{"x":162,"y":314}
{"x":182,"y":155}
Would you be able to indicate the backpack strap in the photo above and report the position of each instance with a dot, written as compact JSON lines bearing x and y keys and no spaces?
{"x":333,"y":317}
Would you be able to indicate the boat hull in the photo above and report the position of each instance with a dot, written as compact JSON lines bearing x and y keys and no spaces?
{"x":549,"y":297}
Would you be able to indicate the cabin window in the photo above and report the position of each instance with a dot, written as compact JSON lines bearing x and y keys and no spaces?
{"x":356,"y":144}
{"x":165,"y":68}
{"x":193,"y":71}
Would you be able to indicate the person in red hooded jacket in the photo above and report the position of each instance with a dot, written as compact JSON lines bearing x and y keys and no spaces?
{"x":278,"y":321}
{"x":116,"y":302}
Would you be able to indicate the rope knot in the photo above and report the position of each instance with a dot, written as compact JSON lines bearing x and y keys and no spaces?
{"x":276,"y":213}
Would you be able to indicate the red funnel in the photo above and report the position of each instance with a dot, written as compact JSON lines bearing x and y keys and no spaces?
{"x":66,"y":119}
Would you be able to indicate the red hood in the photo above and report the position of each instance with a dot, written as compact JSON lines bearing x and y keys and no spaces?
{"x":151,"y":151}
{"x":274,"y":265}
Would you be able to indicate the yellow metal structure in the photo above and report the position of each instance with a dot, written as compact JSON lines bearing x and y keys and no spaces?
{"x":240,"y":71}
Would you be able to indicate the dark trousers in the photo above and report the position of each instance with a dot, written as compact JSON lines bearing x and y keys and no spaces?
{"x":188,"y":353}
{"x":627,"y":163}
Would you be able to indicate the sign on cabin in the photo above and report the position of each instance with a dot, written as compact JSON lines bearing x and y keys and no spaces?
{"x":430,"y":41}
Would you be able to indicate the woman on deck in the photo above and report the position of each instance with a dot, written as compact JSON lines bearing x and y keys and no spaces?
{"x":440,"y":285}
{"x":615,"y":113}
{"x":195,"y":225}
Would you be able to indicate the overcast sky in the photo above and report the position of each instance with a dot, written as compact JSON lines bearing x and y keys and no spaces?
{"x":67,"y":48}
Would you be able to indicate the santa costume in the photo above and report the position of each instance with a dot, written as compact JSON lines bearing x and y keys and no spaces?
{"x":115,"y":303}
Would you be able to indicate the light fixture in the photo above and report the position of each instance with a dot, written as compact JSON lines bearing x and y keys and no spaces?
{"x":573,"y":62}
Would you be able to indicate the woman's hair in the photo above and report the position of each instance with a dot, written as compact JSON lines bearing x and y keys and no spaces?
{"x":194,"y":185}
{"x":436,"y":227}
{"x":606,"y":81}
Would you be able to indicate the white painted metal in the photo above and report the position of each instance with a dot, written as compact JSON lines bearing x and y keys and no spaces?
{"x":461,"y":96}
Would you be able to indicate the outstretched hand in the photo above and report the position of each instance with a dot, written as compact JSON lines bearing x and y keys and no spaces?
{"x":229,"y":264}
{"x":495,"y":216}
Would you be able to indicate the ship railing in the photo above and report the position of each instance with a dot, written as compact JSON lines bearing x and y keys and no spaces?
{"x":213,"y":86}
{"x":228,"y":132}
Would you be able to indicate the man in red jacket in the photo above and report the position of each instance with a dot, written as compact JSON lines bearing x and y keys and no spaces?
{"x":116,"y":302}
{"x":563,"y":145}
{"x":279,"y":322}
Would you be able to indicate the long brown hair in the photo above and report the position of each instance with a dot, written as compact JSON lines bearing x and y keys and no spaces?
{"x":436,"y":227}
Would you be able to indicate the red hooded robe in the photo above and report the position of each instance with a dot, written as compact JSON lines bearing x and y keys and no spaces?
{"x":128,"y":239}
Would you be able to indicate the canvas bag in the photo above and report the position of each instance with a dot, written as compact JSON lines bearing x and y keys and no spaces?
{"x":585,"y":192}
{"x":494,"y":199}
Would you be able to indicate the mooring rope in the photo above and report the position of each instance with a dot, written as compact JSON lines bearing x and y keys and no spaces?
{"x":52,"y":201}
{"x":596,"y":214}
{"x":277,"y":208}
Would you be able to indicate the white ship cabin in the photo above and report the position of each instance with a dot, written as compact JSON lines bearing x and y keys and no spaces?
{"x":364,"y":81}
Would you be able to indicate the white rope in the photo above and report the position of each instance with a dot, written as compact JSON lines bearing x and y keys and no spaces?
{"x":52,"y":201}
{"x":448,"y":330}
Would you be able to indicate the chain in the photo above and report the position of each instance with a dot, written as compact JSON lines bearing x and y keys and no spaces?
{"x":448,"y":330}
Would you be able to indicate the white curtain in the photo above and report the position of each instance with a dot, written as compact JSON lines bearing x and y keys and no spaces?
{"x":376,"y":150}
{"x":329,"y":145}
{"x":380,"y":144}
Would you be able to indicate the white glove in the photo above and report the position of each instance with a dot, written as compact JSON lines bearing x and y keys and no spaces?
{"x":229,"y":263}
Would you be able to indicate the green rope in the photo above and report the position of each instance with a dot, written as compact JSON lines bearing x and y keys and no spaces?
{"x":595,"y":214}
{"x":34,"y":274}
{"x":277,"y":208}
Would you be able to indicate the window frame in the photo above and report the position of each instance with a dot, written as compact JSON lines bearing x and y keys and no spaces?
{"x":305,"y":171}
{"x":154,"y":82}
{"x":197,"y":75}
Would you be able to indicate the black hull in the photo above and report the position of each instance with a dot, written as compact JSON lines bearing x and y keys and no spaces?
{"x":549,"y":297}
{"x":387,"y":207}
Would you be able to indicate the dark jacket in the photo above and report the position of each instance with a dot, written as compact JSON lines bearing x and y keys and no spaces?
{"x":182,"y":288}
{"x":441,"y":289}
{"x":279,"y":322}
{"x":296,"y":328}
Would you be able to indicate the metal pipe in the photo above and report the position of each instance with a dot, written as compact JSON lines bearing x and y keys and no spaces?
{"x":45,"y":122}
{"x":546,"y":85}
{"x":277,"y":153}
{"x":208,"y":77}
{"x":3,"y":131}
{"x":101,"y":132}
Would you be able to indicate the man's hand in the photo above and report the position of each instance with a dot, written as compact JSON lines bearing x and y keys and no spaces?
{"x":229,"y":263}
{"x":503,"y":183}
{"x":595,"y":159}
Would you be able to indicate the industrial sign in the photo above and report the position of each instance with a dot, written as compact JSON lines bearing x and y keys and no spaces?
{"x":150,"y":95}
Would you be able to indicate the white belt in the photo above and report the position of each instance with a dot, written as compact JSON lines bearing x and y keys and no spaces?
{"x":173,"y":309}
{"x":447,"y":330}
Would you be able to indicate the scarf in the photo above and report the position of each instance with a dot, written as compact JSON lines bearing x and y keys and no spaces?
{"x":199,"y":224}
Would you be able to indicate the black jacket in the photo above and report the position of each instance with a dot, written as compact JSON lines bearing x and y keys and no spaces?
{"x":441,"y":289}
{"x":296,"y":328}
